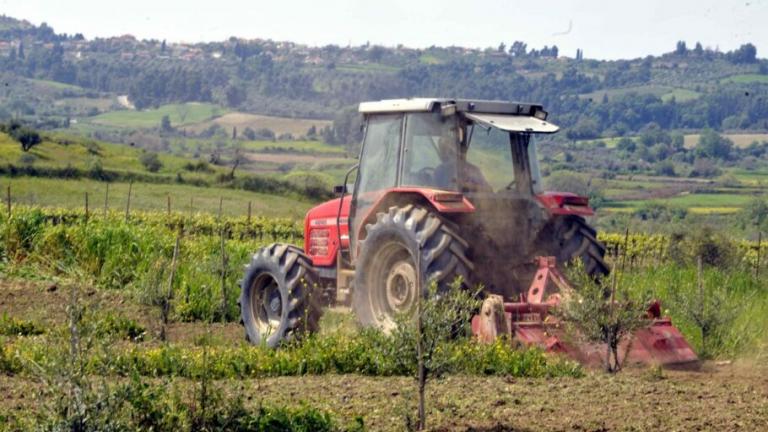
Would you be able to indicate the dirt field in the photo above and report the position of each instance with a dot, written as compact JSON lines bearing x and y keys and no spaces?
{"x":720,"y":397}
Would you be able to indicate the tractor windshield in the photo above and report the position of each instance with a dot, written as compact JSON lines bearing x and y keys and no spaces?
{"x":431,"y":151}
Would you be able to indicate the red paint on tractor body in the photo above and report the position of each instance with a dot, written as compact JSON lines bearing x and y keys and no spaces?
{"x":565,"y":203}
{"x":322,"y":219}
{"x":325,"y":219}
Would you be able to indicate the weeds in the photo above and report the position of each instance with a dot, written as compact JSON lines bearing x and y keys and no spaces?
{"x":10,"y":326}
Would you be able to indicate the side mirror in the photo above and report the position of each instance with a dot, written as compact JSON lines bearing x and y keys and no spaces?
{"x":340,"y":189}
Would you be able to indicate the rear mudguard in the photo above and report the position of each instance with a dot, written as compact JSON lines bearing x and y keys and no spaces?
{"x":565,"y":203}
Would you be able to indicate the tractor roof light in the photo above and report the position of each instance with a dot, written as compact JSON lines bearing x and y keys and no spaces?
{"x":448,"y":110}
{"x":540,"y":114}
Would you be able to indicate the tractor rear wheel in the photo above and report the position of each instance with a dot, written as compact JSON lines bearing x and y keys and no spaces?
{"x":386,"y":274}
{"x":276,"y":296}
{"x":575,"y":239}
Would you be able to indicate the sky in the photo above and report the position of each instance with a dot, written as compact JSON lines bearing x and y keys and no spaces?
{"x":602,"y":29}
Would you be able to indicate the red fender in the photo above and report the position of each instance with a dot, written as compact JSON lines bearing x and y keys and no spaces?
{"x":565,"y":203}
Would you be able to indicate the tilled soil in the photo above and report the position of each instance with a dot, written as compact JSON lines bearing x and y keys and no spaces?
{"x":720,"y":397}
{"x":728,"y":398}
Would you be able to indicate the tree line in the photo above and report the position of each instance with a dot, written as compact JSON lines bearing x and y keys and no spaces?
{"x":252,"y":78}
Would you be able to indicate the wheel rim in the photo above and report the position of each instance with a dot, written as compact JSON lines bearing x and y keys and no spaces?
{"x":392,"y":279}
{"x":266,"y":304}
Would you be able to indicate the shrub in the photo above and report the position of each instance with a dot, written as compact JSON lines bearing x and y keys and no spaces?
{"x":27,"y":137}
{"x":15,"y":327}
{"x":150,"y":161}
{"x":602,"y":313}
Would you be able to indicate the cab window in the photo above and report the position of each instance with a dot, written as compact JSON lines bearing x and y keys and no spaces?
{"x":379,"y":159}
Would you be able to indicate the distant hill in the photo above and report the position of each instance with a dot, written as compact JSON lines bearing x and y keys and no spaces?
{"x":688,"y":88}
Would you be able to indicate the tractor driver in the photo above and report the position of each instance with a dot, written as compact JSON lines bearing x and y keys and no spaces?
{"x":470,"y":178}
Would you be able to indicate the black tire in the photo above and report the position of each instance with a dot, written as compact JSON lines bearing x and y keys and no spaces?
{"x":385,"y":273}
{"x":575,"y":239}
{"x":277,"y":298}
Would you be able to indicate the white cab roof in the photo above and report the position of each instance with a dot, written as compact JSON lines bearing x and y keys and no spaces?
{"x":399,"y":105}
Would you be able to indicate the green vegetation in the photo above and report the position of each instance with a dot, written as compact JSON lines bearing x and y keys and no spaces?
{"x":663,"y":92}
{"x":61,"y":151}
{"x":136,"y":254}
{"x":746,"y":79}
{"x":178,"y":114}
{"x":726,"y":202}
{"x":149,"y":197}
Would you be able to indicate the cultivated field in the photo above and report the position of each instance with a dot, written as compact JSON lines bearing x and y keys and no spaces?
{"x":280,"y":125}
{"x":179,"y":114}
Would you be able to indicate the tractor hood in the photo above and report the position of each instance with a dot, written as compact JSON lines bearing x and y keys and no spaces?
{"x":514,"y":123}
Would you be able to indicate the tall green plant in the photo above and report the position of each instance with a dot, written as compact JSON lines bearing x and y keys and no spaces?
{"x":600,"y":311}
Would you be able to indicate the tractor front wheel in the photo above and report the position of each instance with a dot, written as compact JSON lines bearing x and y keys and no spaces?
{"x":386,"y":273}
{"x":276,"y":296}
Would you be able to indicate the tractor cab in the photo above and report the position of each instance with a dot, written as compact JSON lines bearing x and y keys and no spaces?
{"x":451,"y":145}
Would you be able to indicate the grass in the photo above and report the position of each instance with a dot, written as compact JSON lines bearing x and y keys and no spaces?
{"x":145,"y":197}
{"x":752,"y":178}
{"x":179,"y":114}
{"x":55,"y":85}
{"x":680,"y":95}
{"x":664,"y":92}
{"x":367,"y":67}
{"x":739,"y":140}
{"x":745,"y":79}
{"x":296,"y":146}
{"x":78,"y":153}
{"x":696,"y":203}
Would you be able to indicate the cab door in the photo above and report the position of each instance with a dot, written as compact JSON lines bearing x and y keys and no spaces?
{"x":379,"y":161}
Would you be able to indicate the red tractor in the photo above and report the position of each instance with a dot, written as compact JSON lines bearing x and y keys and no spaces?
{"x":454,"y":180}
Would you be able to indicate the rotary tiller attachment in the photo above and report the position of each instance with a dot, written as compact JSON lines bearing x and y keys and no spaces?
{"x":530,"y":323}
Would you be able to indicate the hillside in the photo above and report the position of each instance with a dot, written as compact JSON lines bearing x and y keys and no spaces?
{"x":62,"y":169}
{"x":688,"y":88}
{"x":631,"y":129}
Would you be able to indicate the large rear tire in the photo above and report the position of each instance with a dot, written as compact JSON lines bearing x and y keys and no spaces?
{"x":575,"y":239}
{"x":277,"y":298}
{"x":385,"y":275}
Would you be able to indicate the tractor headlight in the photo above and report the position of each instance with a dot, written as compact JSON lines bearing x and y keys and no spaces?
{"x":319,"y":240}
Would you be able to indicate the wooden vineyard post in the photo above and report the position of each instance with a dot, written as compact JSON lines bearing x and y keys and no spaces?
{"x":168,"y":203}
{"x":248,"y":222}
{"x":191,"y":199}
{"x":757,"y":261}
{"x":224,"y":308}
{"x":166,"y":301}
{"x":106,"y":201}
{"x":624,"y":249}
{"x":8,"y":196}
{"x":221,"y":204}
{"x":86,"y":206}
{"x":128,"y":203}
{"x":422,"y":370}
